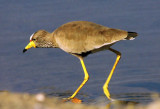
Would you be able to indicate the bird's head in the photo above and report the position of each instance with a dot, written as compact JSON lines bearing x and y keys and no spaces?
{"x":39,"y":39}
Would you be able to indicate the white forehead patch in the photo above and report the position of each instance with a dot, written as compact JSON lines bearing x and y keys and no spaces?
{"x":31,"y":36}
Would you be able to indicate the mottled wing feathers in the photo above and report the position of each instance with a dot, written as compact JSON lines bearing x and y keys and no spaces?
{"x":83,"y":36}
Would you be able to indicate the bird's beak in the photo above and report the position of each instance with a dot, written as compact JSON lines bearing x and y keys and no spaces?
{"x":30,"y":45}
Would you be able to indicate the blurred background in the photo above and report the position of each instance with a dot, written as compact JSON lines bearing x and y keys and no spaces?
{"x":56,"y":73}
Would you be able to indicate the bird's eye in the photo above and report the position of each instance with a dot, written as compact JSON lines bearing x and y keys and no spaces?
{"x":33,"y":39}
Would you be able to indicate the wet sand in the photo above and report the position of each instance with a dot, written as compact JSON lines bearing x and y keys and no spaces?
{"x":40,"y":101}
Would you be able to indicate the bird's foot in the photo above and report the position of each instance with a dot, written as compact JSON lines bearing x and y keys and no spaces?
{"x":73,"y":100}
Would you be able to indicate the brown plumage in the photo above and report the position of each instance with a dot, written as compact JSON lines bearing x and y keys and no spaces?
{"x":82,"y":38}
{"x":79,"y":37}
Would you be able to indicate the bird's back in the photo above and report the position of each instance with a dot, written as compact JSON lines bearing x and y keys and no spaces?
{"x":82,"y":36}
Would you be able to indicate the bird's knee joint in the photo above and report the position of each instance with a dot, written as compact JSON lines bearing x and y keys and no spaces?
{"x":105,"y":87}
{"x":86,"y":78}
{"x":119,"y":56}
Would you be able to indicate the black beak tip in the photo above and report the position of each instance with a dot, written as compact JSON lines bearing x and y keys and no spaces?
{"x":24,"y":50}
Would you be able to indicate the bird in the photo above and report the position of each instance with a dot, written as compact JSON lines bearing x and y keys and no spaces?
{"x":80,"y":39}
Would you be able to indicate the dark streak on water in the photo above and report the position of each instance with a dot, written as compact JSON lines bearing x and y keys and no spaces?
{"x":56,"y":73}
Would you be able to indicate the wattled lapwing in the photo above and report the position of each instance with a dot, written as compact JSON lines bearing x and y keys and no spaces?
{"x":81,"y":38}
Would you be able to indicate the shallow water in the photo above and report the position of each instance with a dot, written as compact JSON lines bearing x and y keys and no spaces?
{"x":57,"y":73}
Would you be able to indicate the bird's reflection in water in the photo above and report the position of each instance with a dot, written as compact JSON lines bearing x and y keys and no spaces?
{"x":96,"y":99}
{"x":129,"y":99}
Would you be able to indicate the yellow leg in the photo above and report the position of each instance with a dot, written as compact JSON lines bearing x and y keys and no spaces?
{"x":105,"y":86}
{"x":86,"y":77}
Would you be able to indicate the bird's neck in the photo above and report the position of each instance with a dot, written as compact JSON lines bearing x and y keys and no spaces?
{"x":49,"y":41}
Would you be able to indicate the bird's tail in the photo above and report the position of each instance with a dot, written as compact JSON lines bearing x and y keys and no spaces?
{"x":131,"y":35}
